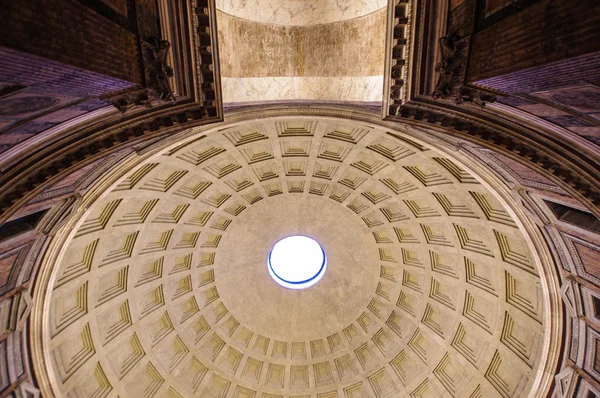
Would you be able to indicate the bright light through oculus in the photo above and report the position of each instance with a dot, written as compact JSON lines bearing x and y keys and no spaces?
{"x":297,"y":262}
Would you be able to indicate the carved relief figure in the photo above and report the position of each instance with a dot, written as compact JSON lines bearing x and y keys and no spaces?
{"x":157,"y":70}
{"x":469,"y":94}
{"x":444,"y":85}
{"x":157,"y":78}
{"x":451,"y":70}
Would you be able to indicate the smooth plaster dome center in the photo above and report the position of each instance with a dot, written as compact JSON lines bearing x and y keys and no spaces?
{"x":297,"y":262}
{"x":297,"y":315}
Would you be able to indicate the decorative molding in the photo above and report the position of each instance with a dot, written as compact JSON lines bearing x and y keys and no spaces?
{"x":80,"y":145}
{"x":573,"y":171}
{"x":399,"y":45}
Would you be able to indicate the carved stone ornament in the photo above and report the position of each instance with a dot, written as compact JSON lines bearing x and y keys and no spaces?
{"x":451,"y":71}
{"x":27,"y":390}
{"x":444,"y":86}
{"x":20,"y":310}
{"x":470,"y":94}
{"x":157,"y":70}
{"x":128,"y":100}
{"x":157,"y":78}
{"x":566,"y":382}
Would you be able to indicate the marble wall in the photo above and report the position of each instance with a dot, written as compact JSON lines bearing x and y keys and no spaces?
{"x":299,"y":12}
{"x":349,"y":48}
{"x":349,"y":88}
{"x":340,"y":61}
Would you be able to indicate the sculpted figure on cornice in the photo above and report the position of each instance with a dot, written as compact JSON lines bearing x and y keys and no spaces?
{"x":157,"y":78}
{"x":444,"y":87}
{"x":157,"y":70}
{"x":451,"y":71}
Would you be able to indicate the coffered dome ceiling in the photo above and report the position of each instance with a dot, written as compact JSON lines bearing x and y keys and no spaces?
{"x":162,"y":288}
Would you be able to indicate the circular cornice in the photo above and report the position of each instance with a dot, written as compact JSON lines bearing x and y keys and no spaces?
{"x":138,"y":286}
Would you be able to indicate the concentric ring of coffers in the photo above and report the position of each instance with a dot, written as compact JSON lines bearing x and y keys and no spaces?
{"x":135,"y":307}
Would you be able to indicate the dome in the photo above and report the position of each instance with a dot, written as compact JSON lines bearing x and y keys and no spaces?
{"x":433,"y":284}
{"x":438,"y":158}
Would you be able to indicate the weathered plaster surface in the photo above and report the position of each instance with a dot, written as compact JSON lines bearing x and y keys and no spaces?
{"x":340,"y":61}
{"x":299,"y":12}
{"x":349,"y":48}
{"x":250,"y":89}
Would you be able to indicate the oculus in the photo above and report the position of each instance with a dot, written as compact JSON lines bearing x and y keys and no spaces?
{"x":297,"y":262}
